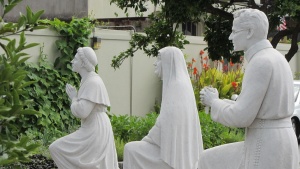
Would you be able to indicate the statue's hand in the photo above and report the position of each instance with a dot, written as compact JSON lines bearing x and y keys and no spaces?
{"x":71,"y":91}
{"x":208,"y":94}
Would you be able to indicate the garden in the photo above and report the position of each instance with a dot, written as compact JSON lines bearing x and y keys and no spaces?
{"x":34,"y":107}
{"x":37,"y":90}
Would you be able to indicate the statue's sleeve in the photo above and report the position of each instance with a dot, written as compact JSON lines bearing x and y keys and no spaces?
{"x":242,"y":112}
{"x":81,"y":108}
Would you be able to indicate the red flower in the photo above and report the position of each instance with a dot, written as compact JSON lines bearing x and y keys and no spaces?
{"x":231,"y":64}
{"x":193,"y":60}
{"x":205,"y":66}
{"x":195,"y":71}
{"x":225,"y":68}
{"x":205,"y":58}
{"x":234,"y":84}
{"x":201,"y":52}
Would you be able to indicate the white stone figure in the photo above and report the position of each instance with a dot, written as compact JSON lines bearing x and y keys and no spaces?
{"x":92,"y":145}
{"x":264,"y":106}
{"x":175,"y":141}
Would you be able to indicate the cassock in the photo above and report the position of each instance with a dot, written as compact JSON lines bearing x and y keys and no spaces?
{"x":264,"y":107}
{"x":92,"y":145}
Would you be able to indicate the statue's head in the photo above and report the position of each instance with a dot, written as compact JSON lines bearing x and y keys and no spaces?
{"x":170,"y":64}
{"x":88,"y":57}
{"x":248,"y":25}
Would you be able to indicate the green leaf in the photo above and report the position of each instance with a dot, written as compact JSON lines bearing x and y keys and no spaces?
{"x":29,"y":15}
{"x":21,"y":21}
{"x":37,"y":16}
{"x":16,"y":99}
{"x":29,"y":112}
{"x":8,"y":8}
{"x":30,"y":45}
{"x":225,"y":89}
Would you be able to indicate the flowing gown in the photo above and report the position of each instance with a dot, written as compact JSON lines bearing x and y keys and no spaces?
{"x":92,"y":145}
{"x":175,"y":141}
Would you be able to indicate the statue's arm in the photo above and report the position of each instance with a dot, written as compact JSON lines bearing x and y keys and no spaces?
{"x":244,"y":110}
{"x":81,"y":108}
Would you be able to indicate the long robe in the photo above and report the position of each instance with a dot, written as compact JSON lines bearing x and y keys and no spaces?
{"x":92,"y":145}
{"x":175,"y":142}
{"x":264,"y":107}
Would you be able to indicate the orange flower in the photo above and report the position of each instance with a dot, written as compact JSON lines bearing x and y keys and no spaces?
{"x":205,"y":66}
{"x":201,"y":52}
{"x":205,"y":58}
{"x":195,"y":71}
{"x":231,"y":64}
{"x":190,"y":65}
{"x":193,"y":60}
{"x":234,"y":84}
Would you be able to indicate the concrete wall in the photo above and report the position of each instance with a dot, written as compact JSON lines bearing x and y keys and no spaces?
{"x":103,"y":9}
{"x":133,"y":89}
{"x":63,"y":9}
{"x":66,"y":9}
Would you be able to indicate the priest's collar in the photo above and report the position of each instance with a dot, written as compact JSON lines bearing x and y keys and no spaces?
{"x":256,"y":48}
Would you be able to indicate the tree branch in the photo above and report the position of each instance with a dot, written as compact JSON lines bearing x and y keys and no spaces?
{"x":294,"y":46}
{"x":279,"y":36}
{"x":217,"y":11}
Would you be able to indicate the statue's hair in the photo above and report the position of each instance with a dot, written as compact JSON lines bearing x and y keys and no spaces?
{"x":88,"y":57}
{"x":254,"y":19}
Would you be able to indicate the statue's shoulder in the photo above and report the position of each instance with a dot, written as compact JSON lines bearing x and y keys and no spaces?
{"x":94,"y":80}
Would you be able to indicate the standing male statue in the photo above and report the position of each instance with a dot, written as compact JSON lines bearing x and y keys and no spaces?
{"x":264,"y":106}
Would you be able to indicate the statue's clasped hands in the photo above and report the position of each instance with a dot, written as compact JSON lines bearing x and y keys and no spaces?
{"x":208,"y":94}
{"x":71,"y":91}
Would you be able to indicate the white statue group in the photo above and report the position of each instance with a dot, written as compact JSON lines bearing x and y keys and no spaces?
{"x":264,"y":107}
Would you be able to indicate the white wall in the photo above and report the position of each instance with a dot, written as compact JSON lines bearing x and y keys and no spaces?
{"x":103,"y":9}
{"x":130,"y":93}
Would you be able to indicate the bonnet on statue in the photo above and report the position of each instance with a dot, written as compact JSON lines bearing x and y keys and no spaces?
{"x":88,"y":57}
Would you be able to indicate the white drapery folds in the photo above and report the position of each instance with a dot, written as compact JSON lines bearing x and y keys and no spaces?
{"x":181,"y":139}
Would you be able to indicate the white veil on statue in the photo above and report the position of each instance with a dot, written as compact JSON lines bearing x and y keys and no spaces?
{"x":181,"y":138}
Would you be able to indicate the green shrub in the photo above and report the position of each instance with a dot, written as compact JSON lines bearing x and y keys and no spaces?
{"x":215,"y":134}
{"x":119,"y":148}
{"x":14,"y":145}
{"x":49,"y":97}
{"x":132,"y":128}
{"x":228,"y":81}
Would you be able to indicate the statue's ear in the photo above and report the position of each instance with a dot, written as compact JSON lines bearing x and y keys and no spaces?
{"x":250,"y":33}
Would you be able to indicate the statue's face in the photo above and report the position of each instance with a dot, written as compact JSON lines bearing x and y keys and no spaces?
{"x":76,"y":63}
{"x":238,"y":36}
{"x":158,"y":66}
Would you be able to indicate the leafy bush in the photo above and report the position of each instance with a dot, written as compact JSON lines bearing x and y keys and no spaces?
{"x":228,"y":80}
{"x":50,"y":98}
{"x":14,"y":146}
{"x":132,"y":128}
{"x":215,"y":134}
{"x":119,"y":148}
